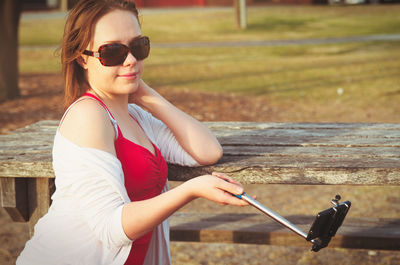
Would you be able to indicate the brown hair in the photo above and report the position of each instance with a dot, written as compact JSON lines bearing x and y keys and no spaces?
{"x":78,"y":33}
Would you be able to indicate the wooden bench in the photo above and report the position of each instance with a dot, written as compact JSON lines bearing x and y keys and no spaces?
{"x":262,"y":153}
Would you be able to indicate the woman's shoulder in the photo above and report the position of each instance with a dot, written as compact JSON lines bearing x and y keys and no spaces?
{"x":87,"y":124}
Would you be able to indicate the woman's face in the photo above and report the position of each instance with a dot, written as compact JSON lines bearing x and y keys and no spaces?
{"x":118,"y":26}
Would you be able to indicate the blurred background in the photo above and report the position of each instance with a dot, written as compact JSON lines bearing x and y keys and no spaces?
{"x":269,"y":61}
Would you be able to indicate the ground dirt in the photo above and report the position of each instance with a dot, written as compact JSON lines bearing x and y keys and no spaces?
{"x":41,"y":98}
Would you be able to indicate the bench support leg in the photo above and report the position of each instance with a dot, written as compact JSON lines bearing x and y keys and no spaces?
{"x":39,"y":194}
{"x":14,"y":198}
{"x":26,"y":199}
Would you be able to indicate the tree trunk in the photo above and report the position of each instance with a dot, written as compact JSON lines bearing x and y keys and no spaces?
{"x":10,"y":11}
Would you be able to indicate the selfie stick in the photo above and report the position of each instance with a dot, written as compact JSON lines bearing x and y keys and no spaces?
{"x":324,"y":227}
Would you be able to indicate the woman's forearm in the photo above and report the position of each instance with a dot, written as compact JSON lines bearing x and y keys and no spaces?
{"x":191,"y":134}
{"x":140,"y":217}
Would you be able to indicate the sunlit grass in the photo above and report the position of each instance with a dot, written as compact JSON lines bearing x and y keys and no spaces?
{"x":279,"y":72}
{"x":45,"y":60}
{"x":368,"y":73}
{"x":41,"y":32}
{"x":264,"y":23}
{"x":274,"y":22}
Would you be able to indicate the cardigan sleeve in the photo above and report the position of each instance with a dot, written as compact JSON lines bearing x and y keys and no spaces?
{"x":101,"y":206}
{"x":163,"y":137}
{"x":90,"y":181}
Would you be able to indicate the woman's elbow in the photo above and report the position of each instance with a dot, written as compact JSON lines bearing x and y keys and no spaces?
{"x":211,"y":156}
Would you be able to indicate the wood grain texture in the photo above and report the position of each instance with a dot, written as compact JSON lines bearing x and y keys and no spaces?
{"x":297,"y":153}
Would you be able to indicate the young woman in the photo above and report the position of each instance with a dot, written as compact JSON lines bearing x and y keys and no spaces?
{"x":112,"y":200}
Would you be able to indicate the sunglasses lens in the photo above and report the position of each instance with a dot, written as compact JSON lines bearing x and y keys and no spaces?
{"x":140,"y":48}
{"x":113,"y":54}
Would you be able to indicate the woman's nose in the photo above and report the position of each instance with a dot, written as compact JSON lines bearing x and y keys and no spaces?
{"x":130,"y":59}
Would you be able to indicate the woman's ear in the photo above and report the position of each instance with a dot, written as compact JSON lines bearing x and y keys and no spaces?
{"x":81,"y":61}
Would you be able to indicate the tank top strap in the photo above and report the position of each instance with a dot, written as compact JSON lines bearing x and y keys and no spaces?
{"x":93,"y":97}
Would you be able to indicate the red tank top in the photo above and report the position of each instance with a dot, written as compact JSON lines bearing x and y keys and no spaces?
{"x":145,"y":176}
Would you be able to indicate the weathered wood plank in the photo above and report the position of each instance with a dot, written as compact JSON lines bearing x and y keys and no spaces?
{"x":23,"y":138}
{"x":259,"y":229}
{"x":290,"y":126}
{"x":248,"y":174}
{"x":253,"y":153}
{"x":41,"y":125}
{"x":311,"y":162}
{"x":252,"y":140}
{"x":293,"y":175}
{"x":316,"y":132}
{"x":41,"y":166}
{"x":255,"y":169}
{"x":312,"y":151}
{"x":245,"y":150}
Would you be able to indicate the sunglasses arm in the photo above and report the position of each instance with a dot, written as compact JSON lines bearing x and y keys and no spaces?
{"x":90,"y":53}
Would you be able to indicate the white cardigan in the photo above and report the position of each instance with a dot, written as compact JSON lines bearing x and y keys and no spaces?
{"x":83,"y":224}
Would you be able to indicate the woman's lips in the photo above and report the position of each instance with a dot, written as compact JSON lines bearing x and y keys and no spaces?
{"x":129,"y":75}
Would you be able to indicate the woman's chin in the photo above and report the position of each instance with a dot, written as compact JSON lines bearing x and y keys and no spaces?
{"x":130,"y":88}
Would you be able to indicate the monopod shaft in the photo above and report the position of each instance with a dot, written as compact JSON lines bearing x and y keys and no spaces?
{"x":272,"y":214}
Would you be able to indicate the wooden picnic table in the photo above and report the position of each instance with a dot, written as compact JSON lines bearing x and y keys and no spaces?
{"x":263,"y":153}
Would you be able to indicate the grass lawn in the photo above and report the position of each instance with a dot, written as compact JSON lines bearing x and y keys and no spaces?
{"x":358,"y":75}
{"x":264,"y":23}
{"x":273,"y":22}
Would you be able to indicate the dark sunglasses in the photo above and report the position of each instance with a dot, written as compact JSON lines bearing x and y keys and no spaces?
{"x":115,"y":53}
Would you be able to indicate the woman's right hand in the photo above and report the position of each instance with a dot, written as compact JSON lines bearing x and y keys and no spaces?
{"x":217,"y":187}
